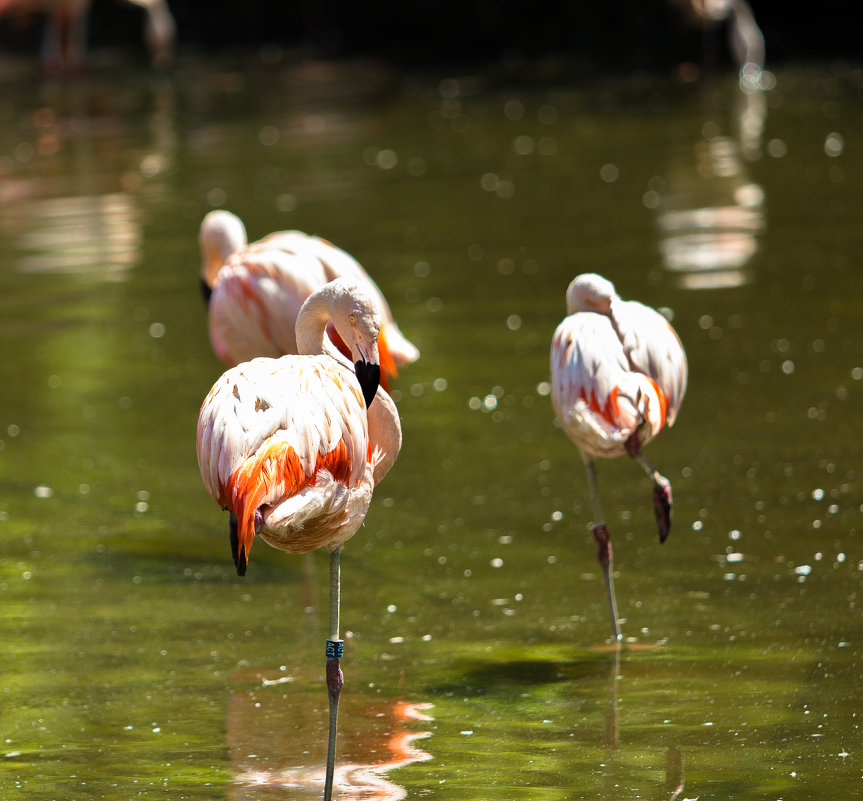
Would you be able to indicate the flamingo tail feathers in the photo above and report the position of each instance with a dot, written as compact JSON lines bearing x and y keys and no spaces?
{"x":273,"y":473}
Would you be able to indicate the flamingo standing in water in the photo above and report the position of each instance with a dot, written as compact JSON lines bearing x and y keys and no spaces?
{"x":254,"y":291}
{"x":293,"y":447}
{"x":618,"y":376}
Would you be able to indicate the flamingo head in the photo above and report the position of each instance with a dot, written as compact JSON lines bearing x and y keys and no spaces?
{"x":221,"y":234}
{"x":590,"y":292}
{"x":357,"y":320}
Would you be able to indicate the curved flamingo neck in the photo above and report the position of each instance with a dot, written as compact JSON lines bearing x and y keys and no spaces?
{"x":312,"y":325}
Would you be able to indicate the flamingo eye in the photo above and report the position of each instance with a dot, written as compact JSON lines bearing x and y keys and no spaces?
{"x":352,"y":319}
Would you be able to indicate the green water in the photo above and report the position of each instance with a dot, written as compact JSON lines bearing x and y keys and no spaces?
{"x":135,"y":664}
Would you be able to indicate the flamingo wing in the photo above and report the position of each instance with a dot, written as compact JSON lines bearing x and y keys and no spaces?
{"x":337,"y":263}
{"x":385,"y":434}
{"x":255,"y":302}
{"x":652,"y":347}
{"x":597,"y":397}
{"x":257,"y":294}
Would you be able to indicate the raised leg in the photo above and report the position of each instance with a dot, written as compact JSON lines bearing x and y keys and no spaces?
{"x":603,"y":540}
{"x":335,"y":678}
{"x":661,"y":488}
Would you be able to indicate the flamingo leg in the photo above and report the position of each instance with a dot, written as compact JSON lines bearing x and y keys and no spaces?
{"x":335,"y":678}
{"x":604,"y":552}
{"x":661,"y":488}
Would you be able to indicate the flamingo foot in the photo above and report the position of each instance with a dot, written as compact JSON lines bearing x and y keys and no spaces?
{"x":603,"y":541}
{"x":662,"y":507}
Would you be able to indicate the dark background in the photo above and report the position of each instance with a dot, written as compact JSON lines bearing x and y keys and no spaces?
{"x":625,"y":35}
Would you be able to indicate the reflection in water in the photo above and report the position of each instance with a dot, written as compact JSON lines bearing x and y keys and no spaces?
{"x":674,"y":772}
{"x":710,"y":211}
{"x":611,"y":738}
{"x":263,"y":732}
{"x":89,"y":220}
{"x":356,"y":779}
{"x":674,"y":779}
{"x":87,"y":233}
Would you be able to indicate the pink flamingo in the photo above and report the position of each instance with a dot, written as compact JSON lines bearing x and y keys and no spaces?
{"x":255,"y":291}
{"x":293,"y":447}
{"x":64,"y":44}
{"x":618,"y":376}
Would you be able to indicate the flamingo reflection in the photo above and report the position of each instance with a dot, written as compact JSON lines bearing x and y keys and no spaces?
{"x":79,"y":203}
{"x":709,"y":216}
{"x":368,"y":755}
{"x":709,"y":211}
{"x":675,"y":780}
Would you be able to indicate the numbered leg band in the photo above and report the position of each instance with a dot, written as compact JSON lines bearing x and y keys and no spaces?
{"x":335,"y":649}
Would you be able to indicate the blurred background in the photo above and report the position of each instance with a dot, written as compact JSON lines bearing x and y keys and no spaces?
{"x":473,"y":157}
{"x":614,"y":35}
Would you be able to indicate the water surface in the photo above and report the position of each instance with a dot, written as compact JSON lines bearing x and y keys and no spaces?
{"x":135,"y":664}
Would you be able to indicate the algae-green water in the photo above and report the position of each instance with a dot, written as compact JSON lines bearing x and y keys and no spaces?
{"x":135,"y":663}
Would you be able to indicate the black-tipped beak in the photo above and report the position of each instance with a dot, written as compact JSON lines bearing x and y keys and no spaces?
{"x":369,"y":376}
{"x":206,"y":291}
